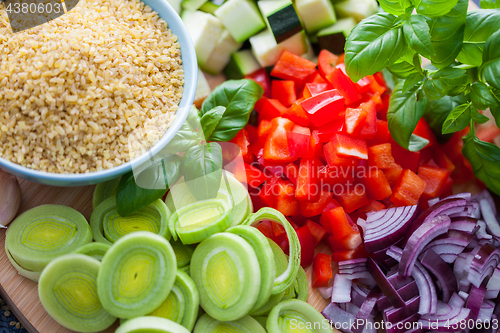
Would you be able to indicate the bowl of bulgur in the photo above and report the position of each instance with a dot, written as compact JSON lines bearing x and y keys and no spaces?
{"x":90,"y":94}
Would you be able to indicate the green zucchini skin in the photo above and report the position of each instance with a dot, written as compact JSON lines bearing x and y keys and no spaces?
{"x":247,"y":324}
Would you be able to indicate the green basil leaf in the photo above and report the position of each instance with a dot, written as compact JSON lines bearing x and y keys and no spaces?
{"x":402,"y":69}
{"x":434,"y":8}
{"x":485,"y":160}
{"x":490,"y":69}
{"x":184,"y":139}
{"x":405,"y":111}
{"x":193,"y":118}
{"x":417,"y":143}
{"x":239,"y":98}
{"x":480,"y":25}
{"x":390,"y":80}
{"x":211,"y":119}
{"x":130,"y":197}
{"x":432,"y":91}
{"x":437,"y":111}
{"x":372,"y":45}
{"x":417,"y":35}
{"x":201,"y":167}
{"x":447,"y":34}
{"x":481,"y":96}
{"x":395,"y":7}
{"x":458,"y":119}
{"x":477,"y":116}
{"x":411,"y":81}
{"x":447,"y":81}
{"x":489,"y":4}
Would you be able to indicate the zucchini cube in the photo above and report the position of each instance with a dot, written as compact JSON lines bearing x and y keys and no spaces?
{"x":241,"y":18}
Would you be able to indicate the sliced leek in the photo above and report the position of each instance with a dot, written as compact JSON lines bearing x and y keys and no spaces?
{"x":301,"y":286}
{"x":197,"y":221}
{"x":265,"y":256}
{"x":42,"y":234}
{"x":182,"y":304}
{"x":105,"y":190}
{"x":108,"y":226}
{"x":226,"y":272}
{"x":186,"y":269}
{"x":247,"y":324}
{"x":285,"y":280}
{"x":151,"y":325}
{"x":262,"y":320}
{"x":232,"y":191}
{"x":183,"y":253}
{"x":68,"y":292}
{"x":136,"y":275}
{"x":296,"y":315}
{"x":94,"y":250}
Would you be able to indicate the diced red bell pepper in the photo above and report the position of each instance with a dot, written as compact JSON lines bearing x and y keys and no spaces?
{"x":292,"y":172}
{"x":297,"y":114}
{"x":381,"y":156}
{"x":259,"y":104}
{"x":407,"y":159}
{"x":331,"y":205}
{"x":447,"y":188}
{"x":308,"y":188}
{"x":312,"y":89}
{"x":331,"y":178}
{"x":408,"y":189}
{"x":255,"y":177}
{"x":349,"y":242}
{"x":322,"y":270}
{"x":266,"y":228}
{"x":363,"y":85}
{"x":316,"y":77}
{"x":252,"y":133}
{"x":382,"y":112}
{"x":298,"y":144}
{"x":426,"y":155}
{"x":316,"y":145}
{"x":278,"y":229}
{"x":284,"y":91}
{"x":343,"y":83}
{"x":285,"y":201}
{"x":261,"y":77}
{"x":324,"y":107}
{"x":333,"y":216}
{"x":310,"y":209}
{"x":369,"y":128}
{"x":301,"y":129}
{"x":377,"y":100}
{"x":335,"y":160}
{"x":268,"y":194}
{"x":376,"y":185}
{"x":326,"y":131}
{"x":375,"y":86}
{"x":292,"y":67}
{"x":317,"y":231}
{"x":423,"y":130}
{"x":326,"y":62}
{"x":382,"y":136}
{"x":435,"y":179}
{"x":242,"y":140}
{"x":359,"y":252}
{"x":345,"y":145}
{"x":352,"y":197}
{"x":306,"y":246}
{"x":276,"y":146}
{"x":392,"y":174}
{"x":271,"y":108}
{"x":354,"y":120}
{"x":341,"y":59}
{"x":371,"y":206}
{"x":345,"y":234}
{"x":379,"y":77}
{"x":264,"y":128}
{"x":442,"y":159}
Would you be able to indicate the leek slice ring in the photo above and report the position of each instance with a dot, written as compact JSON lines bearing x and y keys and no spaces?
{"x":299,"y":311}
{"x":301,"y":285}
{"x":94,"y":250}
{"x":136,"y":275}
{"x":226,"y":271}
{"x":108,"y":226}
{"x":151,"y":325}
{"x":247,"y":324}
{"x":68,"y":292}
{"x":183,"y":253}
{"x":105,"y":190}
{"x":44,"y":233}
{"x":285,"y":280}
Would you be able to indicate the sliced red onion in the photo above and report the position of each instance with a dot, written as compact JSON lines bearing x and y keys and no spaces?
{"x":456,"y":300}
{"x":433,"y":201}
{"x":483,"y":264}
{"x":346,"y":321}
{"x":358,"y":294}
{"x":491,"y":294}
{"x":411,"y":321}
{"x":366,"y":309}
{"x":398,"y":280}
{"x":485,"y":194}
{"x":351,"y":308}
{"x":450,"y":244}
{"x":463,"y":295}
{"x":395,"y":315}
{"x":423,"y":235}
{"x":325,"y":292}
{"x":362,"y":224}
{"x":481,"y":232}
{"x":494,"y":281}
{"x":407,"y":292}
{"x":384,"y":284}
{"x":446,"y":315}
{"x":464,"y":195}
{"x":489,"y":217}
{"x":466,"y":224}
{"x":442,"y":272}
{"x":341,"y":290}
{"x":464,"y":285}
{"x":486,"y":311}
{"x":475,"y":300}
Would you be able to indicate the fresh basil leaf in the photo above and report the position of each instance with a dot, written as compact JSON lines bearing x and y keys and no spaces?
{"x":184,"y":139}
{"x":437,"y":111}
{"x":411,"y":81}
{"x":405,"y":111}
{"x":417,"y":143}
{"x":447,"y":81}
{"x":489,"y":4}
{"x":432,"y":91}
{"x":201,"y":167}
{"x":402,"y":69}
{"x":434,"y":8}
{"x":211,"y":119}
{"x":490,"y":69}
{"x":481,"y":96}
{"x":372,"y":45}
{"x":480,"y":25}
{"x":390,"y":80}
{"x":152,"y":184}
{"x":395,"y":7}
{"x":193,"y":118}
{"x":447,"y":34}
{"x":239,"y":98}
{"x":417,"y":35}
{"x":485,"y":160}
{"x":458,"y":119}
{"x":477,"y":116}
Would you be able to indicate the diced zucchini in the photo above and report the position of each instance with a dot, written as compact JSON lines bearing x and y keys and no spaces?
{"x":281,"y":18}
{"x":205,"y":30}
{"x":310,"y":55}
{"x":241,"y":18}
{"x":219,"y":57}
{"x":333,"y":38}
{"x":192,"y":4}
{"x":359,"y":9}
{"x":267,"y":51}
{"x":241,"y":63}
{"x":315,"y":14}
{"x":209,"y":7}
{"x":202,"y":89}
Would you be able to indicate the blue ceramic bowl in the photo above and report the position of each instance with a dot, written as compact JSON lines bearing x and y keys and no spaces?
{"x":189,"y":64}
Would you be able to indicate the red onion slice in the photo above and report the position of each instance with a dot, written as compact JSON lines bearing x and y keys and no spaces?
{"x":483,"y":264}
{"x":446,"y":315}
{"x":475,"y":300}
{"x":489,"y":217}
{"x":384,"y":284}
{"x":442,"y":272}
{"x":341,"y":291}
{"x":486,"y":311}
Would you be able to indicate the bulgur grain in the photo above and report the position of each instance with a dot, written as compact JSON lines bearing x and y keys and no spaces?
{"x":89,"y":90}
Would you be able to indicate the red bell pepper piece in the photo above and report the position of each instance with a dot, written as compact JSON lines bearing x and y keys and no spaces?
{"x":375,"y":86}
{"x":284,"y":91}
{"x":392,"y":174}
{"x":331,"y":178}
{"x":382,"y":135}
{"x":316,"y":77}
{"x":278,"y":229}
{"x":359,"y":252}
{"x":252,"y":133}
{"x":345,"y":145}
{"x":310,"y":209}
{"x":407,"y":159}
{"x":308,"y":188}
{"x":381,"y":156}
{"x":382,"y":113}
{"x":350,"y":242}
{"x":426,"y":155}
{"x":298,"y":144}
{"x":266,"y":227}
{"x":435,"y":180}
{"x":301,"y":129}
{"x":442,"y":159}
{"x":292,"y":172}
{"x":297,"y":114}
{"x":376,"y":185}
{"x":292,"y":67}
{"x":371,"y":206}
{"x":326,"y":62}
{"x":306,"y":246}
{"x":268,"y":194}
{"x":354,"y":120}
{"x":242,"y":140}
{"x":369,"y":128}
{"x":322,"y":270}
{"x":423,"y":130}
{"x":352,"y":197}
{"x":326,"y":131}
{"x":345,"y":234}
{"x":317,"y":231}
{"x":255,"y":177}
{"x":312,"y":89}
{"x":379,"y":77}
{"x":259,"y":104}
{"x":408,"y":189}
{"x":271,"y":108}
{"x":343,"y":83}
{"x":324,"y":107}
{"x":264,"y":128}
{"x":335,"y":160}
{"x":261,"y":77}
{"x":377,"y":100}
{"x":363,"y":85}
{"x":285,"y":201}
{"x":331,"y":205}
{"x":276,"y":146}
{"x":316,"y":145}
{"x":447,"y":188}
{"x":333,"y":216}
